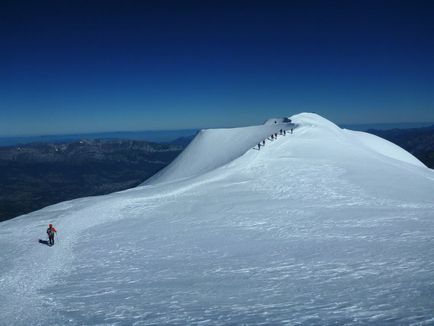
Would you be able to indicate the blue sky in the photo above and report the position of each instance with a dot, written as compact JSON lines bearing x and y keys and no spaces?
{"x":92,"y":66}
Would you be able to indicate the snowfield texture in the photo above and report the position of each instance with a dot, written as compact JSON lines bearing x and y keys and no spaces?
{"x":323,"y":226}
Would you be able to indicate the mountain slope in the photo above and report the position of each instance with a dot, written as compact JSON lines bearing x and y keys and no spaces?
{"x":317,"y":227}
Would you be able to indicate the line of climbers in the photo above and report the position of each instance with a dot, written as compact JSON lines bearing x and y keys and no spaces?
{"x":282,"y":132}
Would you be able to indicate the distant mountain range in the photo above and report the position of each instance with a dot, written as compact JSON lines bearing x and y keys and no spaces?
{"x":158,"y":136}
{"x":40,"y":174}
{"x":386,"y":126}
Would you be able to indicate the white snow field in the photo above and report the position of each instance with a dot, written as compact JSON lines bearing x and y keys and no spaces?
{"x":321,"y":227}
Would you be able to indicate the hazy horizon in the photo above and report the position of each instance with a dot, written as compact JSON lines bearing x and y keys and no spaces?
{"x":172,"y":134}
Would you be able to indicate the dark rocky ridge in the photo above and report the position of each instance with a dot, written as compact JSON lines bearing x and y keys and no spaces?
{"x":40,"y":174}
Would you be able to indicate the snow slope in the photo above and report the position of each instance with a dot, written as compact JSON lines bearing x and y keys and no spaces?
{"x":213,"y":148}
{"x":325,"y":226}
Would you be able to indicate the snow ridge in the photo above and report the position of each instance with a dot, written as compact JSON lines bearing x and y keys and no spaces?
{"x":213,"y":148}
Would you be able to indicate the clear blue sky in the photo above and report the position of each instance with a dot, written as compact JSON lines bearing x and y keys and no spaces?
{"x":90,"y":66}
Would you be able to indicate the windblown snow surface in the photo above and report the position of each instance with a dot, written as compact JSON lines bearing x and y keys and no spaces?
{"x":323,"y":226}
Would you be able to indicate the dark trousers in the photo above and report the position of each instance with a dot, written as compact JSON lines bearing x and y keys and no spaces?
{"x":51,"y":240}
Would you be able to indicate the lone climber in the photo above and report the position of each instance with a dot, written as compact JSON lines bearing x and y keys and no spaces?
{"x":50,"y":232}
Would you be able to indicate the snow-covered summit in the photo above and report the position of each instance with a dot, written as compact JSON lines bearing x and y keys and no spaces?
{"x":322,"y":226}
{"x":214,"y":148}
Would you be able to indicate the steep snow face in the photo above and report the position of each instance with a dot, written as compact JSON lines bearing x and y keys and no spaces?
{"x":317,"y":227}
{"x":213,"y":148}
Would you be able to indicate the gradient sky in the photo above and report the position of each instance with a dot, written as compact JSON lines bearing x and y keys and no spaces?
{"x":91,"y":66}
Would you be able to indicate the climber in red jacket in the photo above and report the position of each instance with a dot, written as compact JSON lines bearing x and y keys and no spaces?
{"x":51,"y":231}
